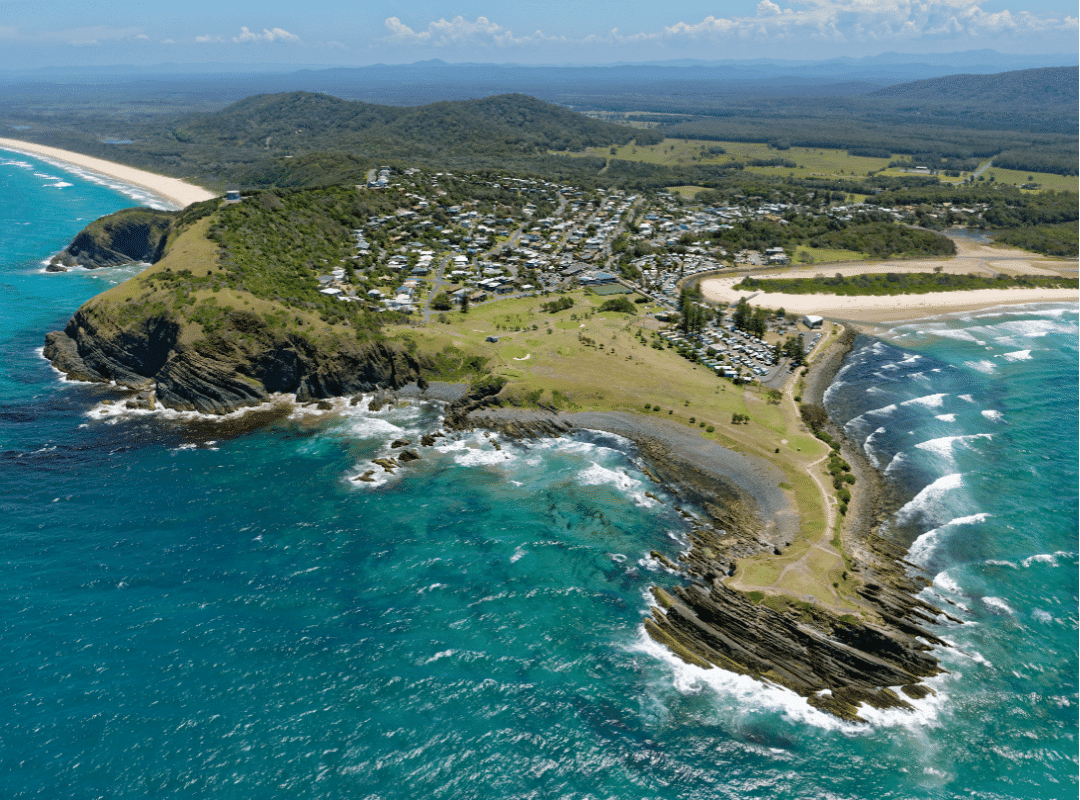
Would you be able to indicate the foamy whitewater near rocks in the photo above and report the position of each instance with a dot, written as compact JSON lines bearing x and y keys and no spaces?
{"x":211,"y":607}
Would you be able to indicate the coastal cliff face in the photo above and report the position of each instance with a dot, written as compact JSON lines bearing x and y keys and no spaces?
{"x":182,"y":336}
{"x":131,"y":234}
{"x":241,"y":365}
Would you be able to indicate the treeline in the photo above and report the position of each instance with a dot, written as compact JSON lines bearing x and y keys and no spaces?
{"x":879,"y":237}
{"x":1004,"y":206}
{"x":896,"y":283}
{"x":1053,"y":240}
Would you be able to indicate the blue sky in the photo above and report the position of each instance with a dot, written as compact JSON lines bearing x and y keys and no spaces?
{"x":62,"y":32}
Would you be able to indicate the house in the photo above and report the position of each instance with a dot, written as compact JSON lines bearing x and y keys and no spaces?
{"x":812,"y":322}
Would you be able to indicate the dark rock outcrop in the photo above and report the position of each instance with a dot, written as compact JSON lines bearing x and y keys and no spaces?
{"x":132,"y":234}
{"x":224,"y":373}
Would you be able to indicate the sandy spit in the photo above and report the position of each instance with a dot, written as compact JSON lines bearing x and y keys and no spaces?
{"x":971,"y":258}
{"x":177,"y":192}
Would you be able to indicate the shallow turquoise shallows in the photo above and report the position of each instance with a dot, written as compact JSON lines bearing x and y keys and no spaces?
{"x":192,"y":609}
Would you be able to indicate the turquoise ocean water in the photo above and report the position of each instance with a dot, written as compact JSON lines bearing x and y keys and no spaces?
{"x":189,"y":609}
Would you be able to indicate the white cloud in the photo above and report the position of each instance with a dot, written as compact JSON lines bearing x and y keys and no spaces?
{"x":459,"y":31}
{"x":273,"y":35}
{"x":268,"y":36}
{"x":821,"y":20}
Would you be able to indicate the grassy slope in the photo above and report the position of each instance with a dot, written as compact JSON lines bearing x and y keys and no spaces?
{"x":624,"y":376}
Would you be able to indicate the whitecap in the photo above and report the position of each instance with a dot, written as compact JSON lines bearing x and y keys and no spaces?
{"x":923,"y":547}
{"x":944,"y":582}
{"x":967,"y":398}
{"x":998,"y":606}
{"x":927,"y":400}
{"x":1052,"y":559}
{"x":984,"y":366}
{"x":946,"y":417}
{"x":992,"y":415}
{"x":1018,"y":355}
{"x":944,"y":446}
{"x":883,"y":411}
{"x":932,"y":500}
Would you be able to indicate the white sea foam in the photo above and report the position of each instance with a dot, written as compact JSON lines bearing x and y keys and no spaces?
{"x":927,"y":400}
{"x":595,"y":475}
{"x":966,"y":398}
{"x":1053,"y":559}
{"x":1018,"y":355}
{"x":141,"y":195}
{"x":945,"y":446}
{"x":931,"y":503}
{"x":741,"y":695}
{"x":947,"y":584}
{"x":884,"y":411}
{"x":923,"y":547}
{"x":113,"y":412}
{"x":998,"y":606}
{"x":868,"y":447}
{"x":901,"y":459}
{"x":984,"y":366}
{"x":946,"y":417}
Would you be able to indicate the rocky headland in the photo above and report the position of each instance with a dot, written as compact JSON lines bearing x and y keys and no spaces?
{"x":131,"y":234}
{"x":183,"y":335}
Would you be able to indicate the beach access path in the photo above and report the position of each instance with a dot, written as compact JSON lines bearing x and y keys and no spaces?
{"x":179,"y":193}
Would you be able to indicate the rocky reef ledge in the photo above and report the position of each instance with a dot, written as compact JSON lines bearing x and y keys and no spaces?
{"x":838,"y":661}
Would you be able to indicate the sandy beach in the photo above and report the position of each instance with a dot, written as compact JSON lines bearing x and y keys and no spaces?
{"x":177,"y":192}
{"x":971,"y":257}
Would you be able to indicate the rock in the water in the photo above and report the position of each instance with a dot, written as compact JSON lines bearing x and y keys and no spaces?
{"x":427,"y":440}
{"x":400,"y":443}
{"x":324,"y":405}
{"x":408,"y":455}
{"x":366,"y":477}
{"x":387,"y":464}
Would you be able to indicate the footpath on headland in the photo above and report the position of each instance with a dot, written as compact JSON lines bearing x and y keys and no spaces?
{"x":177,"y":192}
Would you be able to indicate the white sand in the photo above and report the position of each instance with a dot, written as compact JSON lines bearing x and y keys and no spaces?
{"x":175,"y":191}
{"x":881,"y":309}
{"x":971,"y":257}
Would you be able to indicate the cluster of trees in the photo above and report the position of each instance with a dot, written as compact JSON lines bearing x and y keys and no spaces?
{"x":693,"y":316}
{"x":874,"y":233}
{"x":1054,"y":240}
{"x":555,"y":306}
{"x":750,"y":320}
{"x":621,"y":305}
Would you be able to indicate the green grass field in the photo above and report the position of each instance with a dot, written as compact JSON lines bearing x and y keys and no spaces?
{"x":582,"y":359}
{"x":1046,"y":181}
{"x":810,"y":162}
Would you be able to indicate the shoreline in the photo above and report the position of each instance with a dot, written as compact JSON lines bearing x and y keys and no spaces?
{"x":173,"y":190}
{"x":971,"y":257}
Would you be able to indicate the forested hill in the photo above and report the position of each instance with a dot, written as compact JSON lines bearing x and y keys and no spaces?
{"x":495,"y":131}
{"x":1030,"y":88}
{"x":304,"y":121}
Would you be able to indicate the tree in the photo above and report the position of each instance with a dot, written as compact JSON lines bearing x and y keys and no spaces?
{"x":464,"y":302}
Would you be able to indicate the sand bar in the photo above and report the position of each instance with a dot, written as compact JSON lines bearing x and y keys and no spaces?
{"x":971,"y":257}
{"x":176,"y":191}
